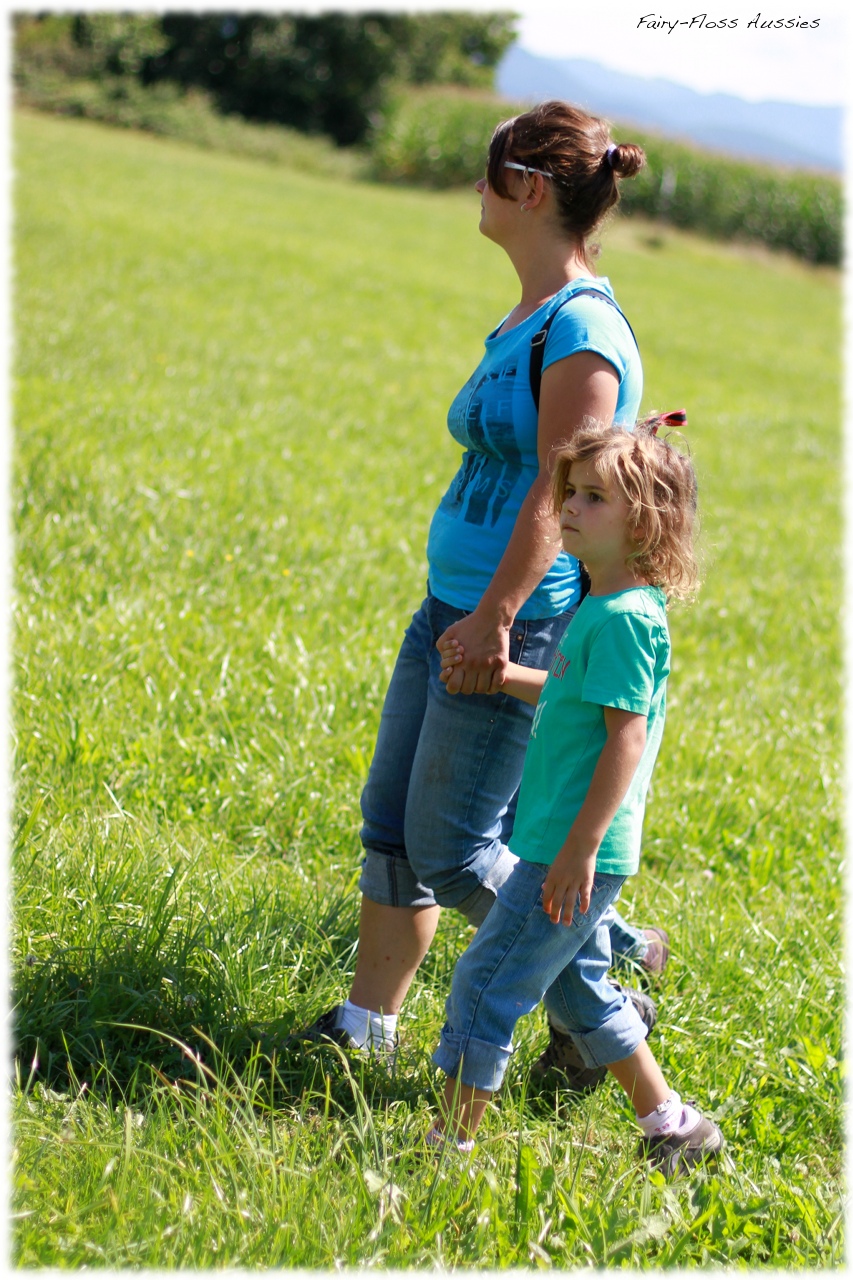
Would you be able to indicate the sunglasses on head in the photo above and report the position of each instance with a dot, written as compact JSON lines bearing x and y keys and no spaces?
{"x":525,"y":168}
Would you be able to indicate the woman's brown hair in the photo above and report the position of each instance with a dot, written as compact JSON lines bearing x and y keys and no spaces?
{"x":576,"y":150}
{"x":658,"y":484}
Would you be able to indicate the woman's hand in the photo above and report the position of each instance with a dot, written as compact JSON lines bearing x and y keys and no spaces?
{"x":482,"y":654}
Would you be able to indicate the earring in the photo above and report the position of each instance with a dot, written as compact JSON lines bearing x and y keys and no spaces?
{"x":524,"y":208}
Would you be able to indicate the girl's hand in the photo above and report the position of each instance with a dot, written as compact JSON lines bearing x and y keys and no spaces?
{"x":452,"y":654}
{"x":569,"y":880}
{"x":484,"y":646}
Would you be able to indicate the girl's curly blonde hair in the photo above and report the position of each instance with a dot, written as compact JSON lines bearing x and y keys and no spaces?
{"x":658,"y":484}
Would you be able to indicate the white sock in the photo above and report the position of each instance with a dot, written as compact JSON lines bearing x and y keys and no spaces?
{"x":670,"y":1117}
{"x":368,"y":1029}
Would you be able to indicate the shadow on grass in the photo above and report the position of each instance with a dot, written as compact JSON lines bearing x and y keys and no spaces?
{"x":256,"y":1065}
{"x":169,"y":1005}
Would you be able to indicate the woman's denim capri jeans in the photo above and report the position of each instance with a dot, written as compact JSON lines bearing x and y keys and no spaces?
{"x":440,"y":797}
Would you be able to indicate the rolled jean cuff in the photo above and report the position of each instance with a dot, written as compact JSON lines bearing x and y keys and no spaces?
{"x":391,"y":882}
{"x":477,"y":1062}
{"x":615,"y":1039}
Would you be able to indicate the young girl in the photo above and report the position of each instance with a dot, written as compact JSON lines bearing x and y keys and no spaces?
{"x":627,"y":502}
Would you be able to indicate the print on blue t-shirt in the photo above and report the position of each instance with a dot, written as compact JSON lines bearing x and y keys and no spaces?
{"x":493,"y":464}
{"x":494,"y":418}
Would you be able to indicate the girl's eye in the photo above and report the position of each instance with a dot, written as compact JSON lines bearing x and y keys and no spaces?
{"x":595,"y":497}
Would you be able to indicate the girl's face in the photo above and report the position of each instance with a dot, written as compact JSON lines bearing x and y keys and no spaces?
{"x":594,"y":520}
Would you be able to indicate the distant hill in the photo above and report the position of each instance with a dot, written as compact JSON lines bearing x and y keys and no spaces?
{"x":778,"y":132}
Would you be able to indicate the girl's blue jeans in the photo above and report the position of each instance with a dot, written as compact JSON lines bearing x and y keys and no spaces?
{"x":440,"y":798}
{"x":519,"y":957}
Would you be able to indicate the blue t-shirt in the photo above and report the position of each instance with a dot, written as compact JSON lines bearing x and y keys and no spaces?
{"x":494,"y":418}
{"x":614,"y":653}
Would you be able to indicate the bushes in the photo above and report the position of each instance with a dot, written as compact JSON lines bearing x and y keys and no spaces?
{"x":438,"y":138}
{"x":190,"y":116}
{"x":86,"y":46}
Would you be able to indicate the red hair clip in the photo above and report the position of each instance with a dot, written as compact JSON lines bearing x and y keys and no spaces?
{"x":677,"y":418}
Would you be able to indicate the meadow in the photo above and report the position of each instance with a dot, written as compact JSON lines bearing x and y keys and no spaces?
{"x":230,"y":386}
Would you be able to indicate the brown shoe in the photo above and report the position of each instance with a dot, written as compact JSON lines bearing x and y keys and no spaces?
{"x":561,"y":1063}
{"x":675,"y":1153}
{"x":657,"y":957}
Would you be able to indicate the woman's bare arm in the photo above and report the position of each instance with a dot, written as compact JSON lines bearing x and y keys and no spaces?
{"x":579,"y":386}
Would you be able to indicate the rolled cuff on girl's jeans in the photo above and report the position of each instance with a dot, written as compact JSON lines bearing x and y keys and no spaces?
{"x":616,"y":1038}
{"x":475,"y":1062}
{"x":598,"y":1015}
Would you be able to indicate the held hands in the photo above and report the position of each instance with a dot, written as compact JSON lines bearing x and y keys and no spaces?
{"x":452,"y":654}
{"x":568,"y":882}
{"x":474,"y":655}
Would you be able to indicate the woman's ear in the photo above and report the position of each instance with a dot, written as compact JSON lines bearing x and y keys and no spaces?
{"x":535,"y":192}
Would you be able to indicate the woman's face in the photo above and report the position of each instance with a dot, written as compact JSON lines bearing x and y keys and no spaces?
{"x":497,"y":215}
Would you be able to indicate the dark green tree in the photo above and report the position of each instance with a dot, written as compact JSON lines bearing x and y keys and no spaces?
{"x":328,"y":73}
{"x":452,"y":48}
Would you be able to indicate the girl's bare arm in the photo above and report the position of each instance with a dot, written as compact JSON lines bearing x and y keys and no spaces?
{"x":573,"y":869}
{"x":524,"y":683}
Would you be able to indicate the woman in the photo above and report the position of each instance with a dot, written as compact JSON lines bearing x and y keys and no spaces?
{"x":439,"y":802}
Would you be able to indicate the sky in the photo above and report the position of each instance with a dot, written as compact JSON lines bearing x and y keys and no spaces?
{"x":808,"y":65}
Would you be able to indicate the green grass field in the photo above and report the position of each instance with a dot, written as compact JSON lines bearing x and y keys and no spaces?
{"x":230,"y":388}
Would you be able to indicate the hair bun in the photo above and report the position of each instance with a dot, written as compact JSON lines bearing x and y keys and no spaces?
{"x":626,"y":159}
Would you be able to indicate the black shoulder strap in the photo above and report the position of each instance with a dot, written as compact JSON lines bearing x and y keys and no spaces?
{"x":537,"y":342}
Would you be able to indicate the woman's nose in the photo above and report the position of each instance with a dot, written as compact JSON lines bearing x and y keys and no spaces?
{"x":480,"y":185}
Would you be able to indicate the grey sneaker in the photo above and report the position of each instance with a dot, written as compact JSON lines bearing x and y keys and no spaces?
{"x":676,"y":1153}
{"x":327,"y":1030}
{"x":561,"y":1063}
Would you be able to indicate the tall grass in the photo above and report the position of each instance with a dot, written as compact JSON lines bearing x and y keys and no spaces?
{"x":230,"y":389}
{"x":799,"y":211}
{"x":439,"y":138}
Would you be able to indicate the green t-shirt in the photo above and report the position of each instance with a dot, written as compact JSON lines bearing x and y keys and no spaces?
{"x":614,"y":653}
